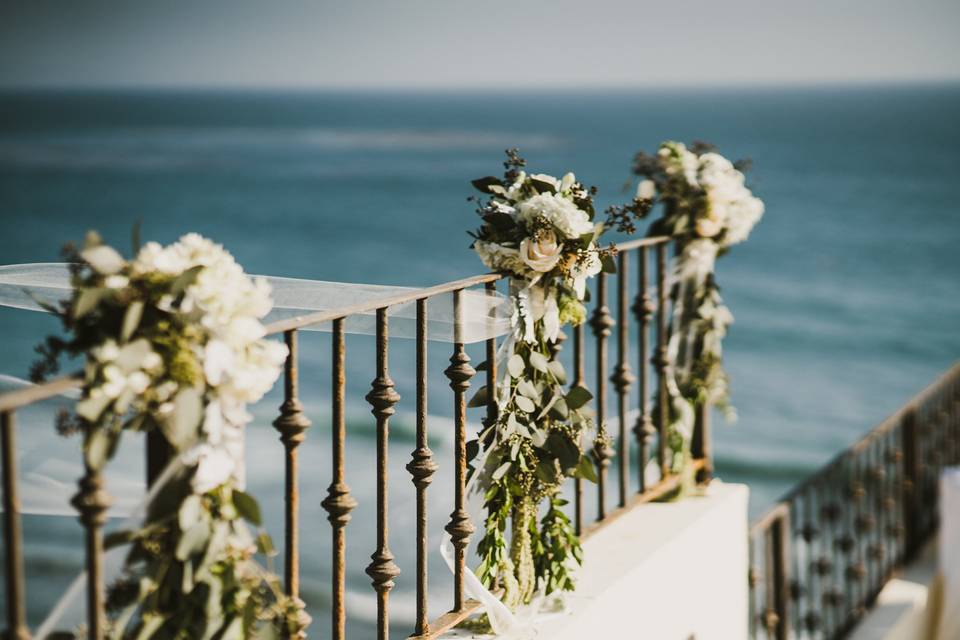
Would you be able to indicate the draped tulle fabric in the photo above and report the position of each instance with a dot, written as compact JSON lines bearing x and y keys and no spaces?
{"x":484,"y":316}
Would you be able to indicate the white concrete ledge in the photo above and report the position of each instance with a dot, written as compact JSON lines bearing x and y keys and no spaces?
{"x":670,"y":571}
{"x":900,"y":612}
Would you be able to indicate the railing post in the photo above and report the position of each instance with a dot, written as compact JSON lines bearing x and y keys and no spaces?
{"x":291,"y":424}
{"x":643,"y":429}
{"x":700,"y":445}
{"x":92,"y":502}
{"x":459,"y":372}
{"x":661,"y":360}
{"x":12,"y":534}
{"x":338,"y":503}
{"x":911,"y":484}
{"x":578,"y":376}
{"x":602,"y":322}
{"x":422,"y":467}
{"x":382,"y":397}
{"x":776,"y":617}
{"x":623,"y":376}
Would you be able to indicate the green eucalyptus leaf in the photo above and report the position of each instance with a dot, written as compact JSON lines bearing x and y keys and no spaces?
{"x":118,"y":538}
{"x":501,"y":470}
{"x":609,"y":264}
{"x":103,"y":259}
{"x":538,"y":361}
{"x":98,"y":447}
{"x":190,"y":512}
{"x":484,"y":184}
{"x":542,"y":186}
{"x":567,"y":453}
{"x":480,"y":398}
{"x":527,"y":388}
{"x":247,"y":507}
{"x":538,"y":437}
{"x":556,"y":368}
{"x":265,"y":544}
{"x":577,"y":397}
{"x":180,"y":428}
{"x":515,"y":365}
{"x":586,"y":469}
{"x":473,"y":449}
{"x":525,"y":404}
{"x":131,"y":319}
{"x":88,"y":300}
{"x":131,"y":356}
{"x":192,"y":541}
{"x":90,"y":409}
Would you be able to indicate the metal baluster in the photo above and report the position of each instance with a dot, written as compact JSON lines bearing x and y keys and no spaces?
{"x":622,"y":376}
{"x":92,"y":501}
{"x":578,"y":376}
{"x":660,"y":360}
{"x":338,"y":503}
{"x":856,"y":570}
{"x":382,"y":397}
{"x":12,"y":534}
{"x":492,"y":409}
{"x":459,"y":372}
{"x":602,"y":323}
{"x":643,"y":430}
{"x":291,"y":424}
{"x":422,"y":468}
{"x":910,"y":500}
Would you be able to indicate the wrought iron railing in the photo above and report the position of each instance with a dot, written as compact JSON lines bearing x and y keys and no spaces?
{"x":649,"y":298}
{"x":821,"y":555}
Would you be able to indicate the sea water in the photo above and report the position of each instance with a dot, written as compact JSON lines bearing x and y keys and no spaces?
{"x":846,"y":297}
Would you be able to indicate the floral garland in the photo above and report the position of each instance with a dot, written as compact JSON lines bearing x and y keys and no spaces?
{"x":707,"y":208}
{"x":540,"y":232}
{"x":172,"y":341}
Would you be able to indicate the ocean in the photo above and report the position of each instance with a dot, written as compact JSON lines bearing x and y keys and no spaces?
{"x":846,"y":297}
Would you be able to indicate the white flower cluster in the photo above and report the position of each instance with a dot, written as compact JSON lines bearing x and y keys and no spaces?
{"x":730,"y":210}
{"x":223,"y":307}
{"x":545,"y":221}
{"x":551,"y":238}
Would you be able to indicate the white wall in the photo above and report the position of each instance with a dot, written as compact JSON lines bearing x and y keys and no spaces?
{"x":671,"y":571}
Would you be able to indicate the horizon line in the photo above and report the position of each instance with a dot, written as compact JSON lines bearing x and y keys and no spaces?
{"x":479,"y":88}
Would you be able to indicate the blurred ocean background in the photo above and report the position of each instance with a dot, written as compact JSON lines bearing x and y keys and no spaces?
{"x":846,"y":297}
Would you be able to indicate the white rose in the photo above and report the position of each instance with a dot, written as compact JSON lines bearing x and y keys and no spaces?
{"x":561,"y":213}
{"x":542,"y":254}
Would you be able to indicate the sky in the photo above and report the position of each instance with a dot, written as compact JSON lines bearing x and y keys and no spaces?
{"x":457,"y":44}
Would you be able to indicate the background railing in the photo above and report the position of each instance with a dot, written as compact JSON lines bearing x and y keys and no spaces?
{"x":641,"y":303}
{"x":821,"y":555}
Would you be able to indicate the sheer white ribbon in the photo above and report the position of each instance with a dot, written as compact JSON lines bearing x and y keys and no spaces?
{"x":484,"y":315}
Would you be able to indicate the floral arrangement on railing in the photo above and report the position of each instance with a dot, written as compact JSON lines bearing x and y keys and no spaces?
{"x":172,"y":341}
{"x":707,"y":208}
{"x":540,"y":232}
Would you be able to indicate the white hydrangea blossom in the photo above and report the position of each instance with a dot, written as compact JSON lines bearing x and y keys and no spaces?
{"x":560,"y":212}
{"x":239,"y":365}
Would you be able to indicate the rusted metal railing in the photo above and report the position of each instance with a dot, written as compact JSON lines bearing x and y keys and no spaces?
{"x":293,"y":423}
{"x":821,"y":555}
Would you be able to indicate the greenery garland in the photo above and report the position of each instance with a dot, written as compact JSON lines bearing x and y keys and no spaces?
{"x":707,"y":208}
{"x":540,"y":232}
{"x":172,"y":342}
